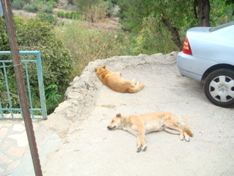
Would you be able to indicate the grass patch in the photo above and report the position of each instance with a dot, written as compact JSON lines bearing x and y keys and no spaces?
{"x":87,"y":44}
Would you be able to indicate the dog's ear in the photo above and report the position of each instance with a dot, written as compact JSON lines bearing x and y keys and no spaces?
{"x":95,"y":69}
{"x":118,"y":115}
{"x":104,"y":66}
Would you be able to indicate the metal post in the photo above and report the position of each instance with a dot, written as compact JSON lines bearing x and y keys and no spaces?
{"x":21,"y":85}
{"x":41,"y":85}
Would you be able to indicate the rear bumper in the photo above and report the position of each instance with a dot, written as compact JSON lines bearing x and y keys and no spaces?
{"x":189,"y":66}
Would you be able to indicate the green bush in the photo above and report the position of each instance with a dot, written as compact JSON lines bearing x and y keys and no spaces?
{"x":17,"y":4}
{"x":67,"y":15}
{"x":60,"y":14}
{"x":72,"y":15}
{"x":47,"y":18}
{"x":51,"y":3}
{"x":25,"y":1}
{"x":4,"y":44}
{"x":47,"y":9}
{"x":150,"y":41}
{"x":57,"y":63}
{"x":30,"y":7}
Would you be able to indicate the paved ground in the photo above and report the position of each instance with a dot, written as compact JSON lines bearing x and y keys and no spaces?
{"x":15,"y":157}
{"x":75,"y":141}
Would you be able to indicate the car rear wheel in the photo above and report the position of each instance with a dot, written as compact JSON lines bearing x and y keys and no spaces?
{"x":219,"y":87}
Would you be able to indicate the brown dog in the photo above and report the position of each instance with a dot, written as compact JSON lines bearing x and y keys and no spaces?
{"x":139,"y":125}
{"x":116,"y":83}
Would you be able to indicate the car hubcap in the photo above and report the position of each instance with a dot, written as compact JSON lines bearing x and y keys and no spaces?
{"x":222,"y":88}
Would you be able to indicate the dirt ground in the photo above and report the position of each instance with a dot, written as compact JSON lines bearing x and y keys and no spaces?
{"x":107,"y":24}
{"x":87,"y":147}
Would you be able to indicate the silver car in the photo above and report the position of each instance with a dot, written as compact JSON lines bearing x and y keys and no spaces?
{"x":208,"y":57}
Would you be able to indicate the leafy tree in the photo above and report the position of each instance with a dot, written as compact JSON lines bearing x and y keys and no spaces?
{"x":230,"y":2}
{"x":221,"y":12}
{"x":169,"y":14}
{"x":173,"y":16}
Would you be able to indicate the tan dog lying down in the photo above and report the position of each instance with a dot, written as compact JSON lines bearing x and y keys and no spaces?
{"x":116,"y":83}
{"x":139,"y":125}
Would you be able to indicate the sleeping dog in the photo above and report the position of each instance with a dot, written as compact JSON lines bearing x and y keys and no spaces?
{"x":139,"y":125}
{"x":114,"y":81}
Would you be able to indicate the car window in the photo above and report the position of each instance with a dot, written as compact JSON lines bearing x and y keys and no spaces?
{"x":222,"y":26}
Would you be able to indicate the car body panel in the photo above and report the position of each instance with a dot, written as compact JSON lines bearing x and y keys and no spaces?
{"x":208,"y":49}
{"x":215,"y":45}
{"x":191,"y":67}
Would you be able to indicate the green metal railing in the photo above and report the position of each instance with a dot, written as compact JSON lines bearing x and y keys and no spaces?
{"x":10,"y":111}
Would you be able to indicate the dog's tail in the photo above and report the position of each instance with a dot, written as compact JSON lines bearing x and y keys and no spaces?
{"x":136,"y":88}
{"x":184,"y":127}
{"x":187,"y":130}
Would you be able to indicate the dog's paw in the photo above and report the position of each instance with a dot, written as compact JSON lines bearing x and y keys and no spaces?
{"x":138,"y":149}
{"x":141,"y":148}
{"x":144,"y":148}
{"x":181,"y":137}
{"x":187,"y":138}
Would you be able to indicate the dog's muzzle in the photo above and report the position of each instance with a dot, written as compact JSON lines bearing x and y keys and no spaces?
{"x":110,"y":128}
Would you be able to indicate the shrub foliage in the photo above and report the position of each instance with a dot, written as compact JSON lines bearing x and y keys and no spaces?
{"x":38,"y":35}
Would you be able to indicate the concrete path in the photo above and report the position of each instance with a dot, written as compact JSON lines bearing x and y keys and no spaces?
{"x":15,"y":156}
{"x":75,"y":141}
{"x":13,"y":144}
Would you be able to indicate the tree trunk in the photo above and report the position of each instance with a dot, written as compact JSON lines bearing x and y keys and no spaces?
{"x":204,"y":12}
{"x":174,"y":32}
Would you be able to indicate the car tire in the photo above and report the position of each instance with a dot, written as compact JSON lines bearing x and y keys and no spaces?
{"x":219,"y":87}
